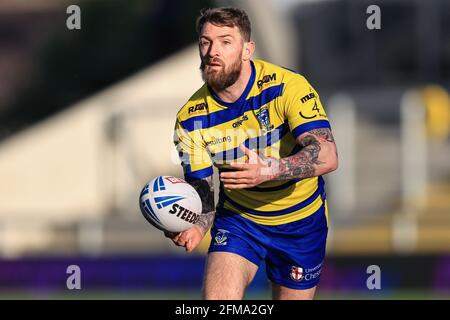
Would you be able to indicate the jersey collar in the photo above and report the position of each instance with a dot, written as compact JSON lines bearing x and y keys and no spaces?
{"x":244,"y":94}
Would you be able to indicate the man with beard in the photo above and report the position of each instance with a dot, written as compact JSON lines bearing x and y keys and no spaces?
{"x":266,"y":130}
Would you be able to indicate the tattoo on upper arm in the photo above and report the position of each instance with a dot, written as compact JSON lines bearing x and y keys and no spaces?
{"x":323,"y":133}
{"x":205,"y":190}
{"x":303,"y":164}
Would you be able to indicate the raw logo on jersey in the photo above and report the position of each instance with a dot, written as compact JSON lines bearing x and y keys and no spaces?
{"x":267,"y":78}
{"x":198,"y":107}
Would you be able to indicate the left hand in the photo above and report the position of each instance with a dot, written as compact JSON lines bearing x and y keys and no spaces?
{"x":188,"y":239}
{"x":253,"y":172}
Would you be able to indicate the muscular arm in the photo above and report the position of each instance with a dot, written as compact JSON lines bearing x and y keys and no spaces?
{"x":191,"y":238}
{"x":205,"y":189}
{"x":318,"y":156}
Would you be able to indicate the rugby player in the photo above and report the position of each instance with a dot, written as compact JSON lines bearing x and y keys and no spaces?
{"x":266,"y":130}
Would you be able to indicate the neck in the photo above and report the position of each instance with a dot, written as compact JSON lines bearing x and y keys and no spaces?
{"x":233,"y":92}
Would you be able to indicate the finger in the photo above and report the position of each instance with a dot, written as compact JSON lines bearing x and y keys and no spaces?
{"x":251,"y":155}
{"x":238,"y":186}
{"x":176,"y":237}
{"x":234,"y":175}
{"x":180,"y":239}
{"x":184,"y":237}
{"x":189,"y":245}
{"x":179,"y":243}
{"x":239,"y":166}
{"x":236,"y":181}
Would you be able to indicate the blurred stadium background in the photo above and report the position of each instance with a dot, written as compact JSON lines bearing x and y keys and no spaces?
{"x":86,"y":118}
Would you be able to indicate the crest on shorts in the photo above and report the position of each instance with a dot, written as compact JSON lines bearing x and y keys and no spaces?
{"x":221,"y":237}
{"x":264,"y":119}
{"x":297,"y":273}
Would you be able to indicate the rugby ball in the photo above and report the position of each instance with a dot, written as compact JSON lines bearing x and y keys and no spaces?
{"x":170,"y":204}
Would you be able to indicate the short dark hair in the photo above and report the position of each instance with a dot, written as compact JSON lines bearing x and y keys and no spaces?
{"x":226,"y":16}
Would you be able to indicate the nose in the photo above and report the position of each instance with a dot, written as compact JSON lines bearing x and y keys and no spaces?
{"x":213,"y":50}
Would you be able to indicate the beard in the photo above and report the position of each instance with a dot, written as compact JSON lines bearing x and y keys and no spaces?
{"x":221,"y":78}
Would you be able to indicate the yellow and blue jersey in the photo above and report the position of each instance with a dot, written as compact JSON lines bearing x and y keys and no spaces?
{"x":276,"y":107}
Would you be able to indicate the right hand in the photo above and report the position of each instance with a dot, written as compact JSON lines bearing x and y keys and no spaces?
{"x":188,"y":239}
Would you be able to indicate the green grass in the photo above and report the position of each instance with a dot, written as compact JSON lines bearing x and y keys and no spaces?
{"x":195,"y":295}
{"x":384,"y":295}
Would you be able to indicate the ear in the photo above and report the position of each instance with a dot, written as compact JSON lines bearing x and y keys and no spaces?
{"x":248,"y":50}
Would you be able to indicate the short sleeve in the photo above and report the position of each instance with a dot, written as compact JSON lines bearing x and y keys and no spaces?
{"x":302,"y":107}
{"x":195,"y":159}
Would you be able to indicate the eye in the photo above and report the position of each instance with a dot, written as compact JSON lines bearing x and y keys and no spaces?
{"x":204,"y":43}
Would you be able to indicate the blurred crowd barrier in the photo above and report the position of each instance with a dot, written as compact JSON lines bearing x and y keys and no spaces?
{"x":71,"y":183}
{"x":166,"y":277}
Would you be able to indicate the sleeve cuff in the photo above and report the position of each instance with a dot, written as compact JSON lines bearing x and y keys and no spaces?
{"x":199,"y":174}
{"x":310,"y":126}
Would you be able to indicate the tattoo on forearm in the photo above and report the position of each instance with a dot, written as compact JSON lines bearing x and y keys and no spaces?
{"x":206,"y":220}
{"x":304,"y":163}
{"x":205,"y":190}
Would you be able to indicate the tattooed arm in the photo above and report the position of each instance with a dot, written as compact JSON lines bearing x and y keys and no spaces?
{"x":192,"y":237}
{"x":205,"y":190}
{"x":318,"y":156}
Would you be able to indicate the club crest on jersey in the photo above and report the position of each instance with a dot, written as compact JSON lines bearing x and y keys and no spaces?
{"x":264,"y":120}
{"x":296,"y":273}
{"x":221,"y":237}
